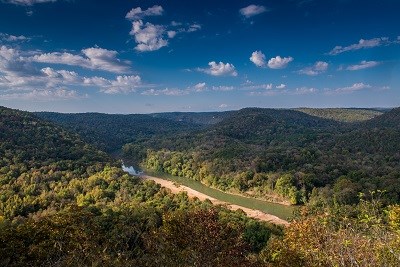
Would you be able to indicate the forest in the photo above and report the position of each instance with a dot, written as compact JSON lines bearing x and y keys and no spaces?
{"x":291,"y":155}
{"x":64,"y":200}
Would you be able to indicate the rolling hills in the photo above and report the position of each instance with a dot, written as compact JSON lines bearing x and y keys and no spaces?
{"x":259,"y":152}
{"x":63,"y":202}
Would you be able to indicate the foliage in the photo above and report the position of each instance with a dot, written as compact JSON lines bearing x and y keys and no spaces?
{"x":343,"y":114}
{"x":65,"y":203}
{"x":363,"y":235}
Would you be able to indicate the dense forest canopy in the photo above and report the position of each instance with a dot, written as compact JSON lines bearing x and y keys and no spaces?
{"x":65,"y":202}
{"x":269,"y":153}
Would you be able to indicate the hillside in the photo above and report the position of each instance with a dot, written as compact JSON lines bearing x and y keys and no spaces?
{"x":267,"y":153}
{"x":343,"y":114}
{"x":110,"y":132}
{"x":25,"y":139}
{"x":65,"y":203}
{"x":390,"y":119}
{"x":200,"y":118}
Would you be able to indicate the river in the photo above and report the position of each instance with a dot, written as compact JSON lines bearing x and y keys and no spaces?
{"x":281,"y":211}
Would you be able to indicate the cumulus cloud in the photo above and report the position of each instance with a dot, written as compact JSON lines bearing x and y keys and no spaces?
{"x":171,"y":34}
{"x":94,"y":58}
{"x":149,"y":37}
{"x":12,"y":62}
{"x":252,"y":10}
{"x":350,"y":89}
{"x":223,"y":106}
{"x":28,"y":2}
{"x":138,"y":14}
{"x":362,"y":44}
{"x":122,"y":84}
{"x":318,"y":68}
{"x":200,"y":87}
{"x":13,"y":38}
{"x":258,"y":58}
{"x":281,"y":86}
{"x":279,"y":62}
{"x":17,"y":73}
{"x":220,"y":69}
{"x":363,"y":65}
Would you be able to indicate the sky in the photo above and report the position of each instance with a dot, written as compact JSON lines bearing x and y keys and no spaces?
{"x":127,"y":56}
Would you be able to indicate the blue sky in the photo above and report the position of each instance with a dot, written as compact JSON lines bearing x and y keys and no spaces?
{"x":151,"y":56}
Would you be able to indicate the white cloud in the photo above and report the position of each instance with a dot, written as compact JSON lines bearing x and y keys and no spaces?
{"x":175,"y":23}
{"x":17,"y":73}
{"x":149,"y":37}
{"x":94,"y":58}
{"x":264,"y":93}
{"x":318,"y":68}
{"x":194,"y":27}
{"x":350,"y":89}
{"x":200,"y":87}
{"x":220,"y":69}
{"x":44,"y":95}
{"x":171,"y":34}
{"x":252,"y":10}
{"x":279,"y":62}
{"x":223,"y":106}
{"x":281,"y":86}
{"x":223,"y":88}
{"x":166,"y":91}
{"x":28,"y":2}
{"x":265,"y":86}
{"x":362,"y":44}
{"x":363,"y":65}
{"x":305,"y":90}
{"x":138,"y":14}
{"x":106,"y":60}
{"x":122,"y":84}
{"x":12,"y":63}
{"x":258,"y":58}
{"x":12,"y":38}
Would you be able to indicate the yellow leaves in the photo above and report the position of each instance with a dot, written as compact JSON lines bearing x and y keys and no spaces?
{"x":393,"y":214}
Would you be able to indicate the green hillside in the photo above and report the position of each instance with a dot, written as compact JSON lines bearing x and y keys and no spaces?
{"x":110,"y":132}
{"x":267,"y":153}
{"x":343,"y":114}
{"x":65,"y":203}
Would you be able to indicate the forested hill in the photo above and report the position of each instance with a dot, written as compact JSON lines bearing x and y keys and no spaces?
{"x":389,"y":119}
{"x":110,"y":132}
{"x":65,"y":203}
{"x":30,"y":141}
{"x":62,"y":203}
{"x":268,"y":125}
{"x":288,"y":153}
{"x":344,"y":114}
{"x":200,"y":118}
{"x":271,"y":153}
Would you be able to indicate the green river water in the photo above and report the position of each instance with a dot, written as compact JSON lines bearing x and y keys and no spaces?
{"x":278,"y":210}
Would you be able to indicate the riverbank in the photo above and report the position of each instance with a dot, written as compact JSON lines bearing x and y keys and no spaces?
{"x":253,"y":213}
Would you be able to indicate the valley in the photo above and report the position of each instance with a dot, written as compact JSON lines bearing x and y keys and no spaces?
{"x":206,"y":173}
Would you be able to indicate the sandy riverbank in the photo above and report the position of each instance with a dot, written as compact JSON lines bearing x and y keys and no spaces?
{"x":193,"y":193}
